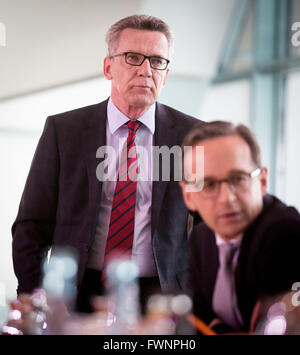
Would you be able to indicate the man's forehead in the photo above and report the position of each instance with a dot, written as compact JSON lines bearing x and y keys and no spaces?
{"x":222,"y":155}
{"x":134,"y":39}
{"x":230,"y":146}
{"x":131,"y":32}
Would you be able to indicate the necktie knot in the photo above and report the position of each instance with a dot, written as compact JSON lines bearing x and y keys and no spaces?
{"x":227,"y":252}
{"x":134,"y":125}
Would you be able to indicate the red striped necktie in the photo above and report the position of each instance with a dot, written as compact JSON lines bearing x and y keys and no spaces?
{"x":121,"y":224}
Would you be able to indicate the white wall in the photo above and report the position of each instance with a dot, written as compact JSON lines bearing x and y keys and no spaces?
{"x":55,"y":42}
{"x":229,"y":102}
{"x":184,"y":94}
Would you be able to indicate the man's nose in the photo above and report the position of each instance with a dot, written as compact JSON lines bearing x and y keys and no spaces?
{"x":145,"y":68}
{"x":226,"y":192}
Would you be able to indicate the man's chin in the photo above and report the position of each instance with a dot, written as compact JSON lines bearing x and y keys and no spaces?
{"x":142,"y":101}
{"x":229,"y":234}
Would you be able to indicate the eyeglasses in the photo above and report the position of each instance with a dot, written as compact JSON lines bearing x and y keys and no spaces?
{"x":137,"y":59}
{"x":237,"y":182}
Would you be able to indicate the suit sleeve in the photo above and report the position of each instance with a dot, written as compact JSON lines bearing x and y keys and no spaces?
{"x":195,"y":283}
{"x":33,"y":228}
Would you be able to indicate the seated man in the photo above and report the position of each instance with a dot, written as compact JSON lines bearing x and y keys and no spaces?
{"x":247,"y":248}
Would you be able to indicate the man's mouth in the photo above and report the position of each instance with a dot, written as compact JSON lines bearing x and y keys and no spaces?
{"x":143,"y":87}
{"x":230,"y":216}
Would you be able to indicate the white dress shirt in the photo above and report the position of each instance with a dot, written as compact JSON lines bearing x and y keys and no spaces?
{"x":116,"y":135}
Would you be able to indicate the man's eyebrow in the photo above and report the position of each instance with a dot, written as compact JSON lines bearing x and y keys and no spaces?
{"x":231,"y":172}
{"x":238,"y":171}
{"x":151,"y":55}
{"x":209,"y":178}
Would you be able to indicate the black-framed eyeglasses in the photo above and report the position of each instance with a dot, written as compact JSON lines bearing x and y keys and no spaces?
{"x":137,"y":59}
{"x":237,"y":182}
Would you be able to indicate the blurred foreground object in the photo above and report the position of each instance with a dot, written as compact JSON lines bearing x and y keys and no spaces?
{"x":60,"y":273}
{"x":123,"y":296}
{"x":4,"y":308}
{"x":59,"y":283}
{"x":116,"y":313}
{"x":279,"y":315}
{"x":27,"y":315}
{"x":46,"y":310}
{"x":50,"y":310}
{"x":119,"y":311}
{"x":200,"y":325}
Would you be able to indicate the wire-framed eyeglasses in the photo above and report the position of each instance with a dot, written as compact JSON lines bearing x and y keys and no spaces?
{"x":237,"y":182}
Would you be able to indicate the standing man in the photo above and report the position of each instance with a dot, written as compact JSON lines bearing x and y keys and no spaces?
{"x":247,"y":248}
{"x":64,"y":204}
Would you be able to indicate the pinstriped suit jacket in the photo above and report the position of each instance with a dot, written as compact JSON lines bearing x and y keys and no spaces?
{"x":61,"y":199}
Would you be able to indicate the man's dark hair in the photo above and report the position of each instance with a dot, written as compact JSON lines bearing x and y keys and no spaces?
{"x":216,"y":129}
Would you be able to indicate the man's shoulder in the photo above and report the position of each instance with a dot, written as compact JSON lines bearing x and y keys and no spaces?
{"x":201,"y":233}
{"x":177,"y":116}
{"x":277,"y":222}
{"x":81,"y":114}
{"x":276,"y":211}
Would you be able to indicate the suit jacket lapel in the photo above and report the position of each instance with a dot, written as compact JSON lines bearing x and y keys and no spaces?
{"x":95,"y":137}
{"x":211,"y":262}
{"x":164,"y":135}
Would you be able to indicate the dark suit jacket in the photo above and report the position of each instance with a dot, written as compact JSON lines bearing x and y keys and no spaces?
{"x":61,"y":199}
{"x":268,"y":262}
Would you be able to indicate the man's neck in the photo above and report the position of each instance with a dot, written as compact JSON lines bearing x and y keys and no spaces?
{"x":223,"y":239}
{"x":129,"y":111}
{"x":134,"y":112}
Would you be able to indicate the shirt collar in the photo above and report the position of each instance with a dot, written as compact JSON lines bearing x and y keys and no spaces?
{"x":116,"y":118}
{"x":235,"y":241}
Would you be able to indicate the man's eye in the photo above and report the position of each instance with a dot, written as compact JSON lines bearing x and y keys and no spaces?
{"x":157,"y":61}
{"x":238,"y":179}
{"x":209,"y":185}
{"x":133,"y":58}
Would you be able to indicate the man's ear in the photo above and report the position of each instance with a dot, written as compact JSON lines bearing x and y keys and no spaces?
{"x":107,"y":68}
{"x":165,"y":78}
{"x":264,"y":180}
{"x":187,"y":197}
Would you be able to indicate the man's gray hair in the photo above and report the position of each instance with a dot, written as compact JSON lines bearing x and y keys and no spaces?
{"x":138,"y":22}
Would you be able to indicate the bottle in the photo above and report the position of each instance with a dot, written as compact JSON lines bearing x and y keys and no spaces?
{"x":59,"y":283}
{"x":123,"y":297}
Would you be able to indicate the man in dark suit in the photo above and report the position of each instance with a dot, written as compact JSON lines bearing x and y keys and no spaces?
{"x":67,"y":203}
{"x":246,"y":250}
